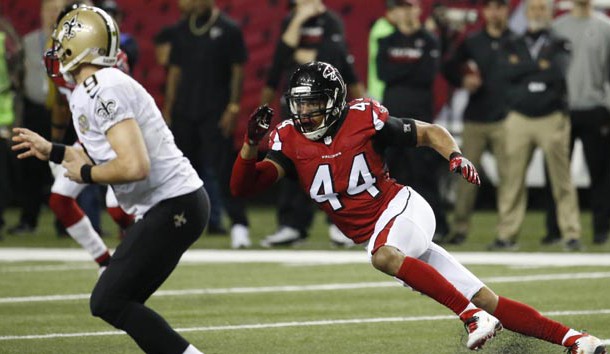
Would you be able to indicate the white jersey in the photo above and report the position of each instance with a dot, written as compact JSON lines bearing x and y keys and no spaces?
{"x":111,"y":96}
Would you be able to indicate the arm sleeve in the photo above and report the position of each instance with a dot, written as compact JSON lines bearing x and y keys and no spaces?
{"x":250,"y":177}
{"x":398,"y":132}
{"x":112,"y":105}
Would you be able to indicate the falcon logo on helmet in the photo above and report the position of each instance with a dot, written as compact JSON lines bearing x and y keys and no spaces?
{"x":330,"y":72}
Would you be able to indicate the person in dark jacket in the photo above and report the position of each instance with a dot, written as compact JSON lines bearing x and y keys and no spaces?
{"x":535,"y":66}
{"x":474,"y":67}
{"x":407,"y":63}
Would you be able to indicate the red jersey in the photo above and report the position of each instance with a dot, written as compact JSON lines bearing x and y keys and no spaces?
{"x":344,"y":173}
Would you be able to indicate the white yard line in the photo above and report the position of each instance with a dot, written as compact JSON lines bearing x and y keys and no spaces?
{"x":313,"y":287}
{"x":292,"y":324}
{"x":48,"y":268}
{"x":316,"y":257}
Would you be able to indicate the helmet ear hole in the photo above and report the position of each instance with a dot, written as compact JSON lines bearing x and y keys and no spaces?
{"x":68,"y":52}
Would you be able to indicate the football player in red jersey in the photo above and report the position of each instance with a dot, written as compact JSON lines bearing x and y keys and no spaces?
{"x":335,"y":150}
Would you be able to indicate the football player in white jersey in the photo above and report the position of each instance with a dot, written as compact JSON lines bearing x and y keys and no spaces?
{"x":64,"y":192}
{"x":128,"y":146}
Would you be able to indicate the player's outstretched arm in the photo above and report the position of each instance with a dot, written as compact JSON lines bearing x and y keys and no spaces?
{"x":37,"y":146}
{"x":33,"y":144}
{"x":438,"y":138}
{"x":250,"y":177}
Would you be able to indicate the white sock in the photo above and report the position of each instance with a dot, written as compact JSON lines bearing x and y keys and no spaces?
{"x":469,"y":307}
{"x":192,"y":350}
{"x":84,"y":233}
{"x":570,"y":333}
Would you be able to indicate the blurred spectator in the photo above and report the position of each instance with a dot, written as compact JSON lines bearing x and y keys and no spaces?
{"x":310,"y":32}
{"x":11,"y":70}
{"x":163,"y":45}
{"x":34,"y":174}
{"x":589,"y":101}
{"x":202,"y":101}
{"x":449,"y":24}
{"x":474,"y":66}
{"x":535,"y":66}
{"x":383,"y":26}
{"x":407,"y":62}
{"x":163,"y":39}
{"x":129,"y":45}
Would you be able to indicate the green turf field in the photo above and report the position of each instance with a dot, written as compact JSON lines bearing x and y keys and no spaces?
{"x":295,"y":307}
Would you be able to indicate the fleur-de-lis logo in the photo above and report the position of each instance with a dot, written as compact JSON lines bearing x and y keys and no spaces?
{"x":105,"y":109}
{"x":71,"y":27}
{"x":179,"y":220}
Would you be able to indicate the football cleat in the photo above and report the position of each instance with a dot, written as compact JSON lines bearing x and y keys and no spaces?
{"x":240,"y":237}
{"x":286,"y":235}
{"x":480,"y":326}
{"x":585,"y":344}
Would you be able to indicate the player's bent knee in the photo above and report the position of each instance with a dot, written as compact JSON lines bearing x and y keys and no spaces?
{"x":388,"y":260}
{"x":106,"y":307}
{"x":485,"y":299}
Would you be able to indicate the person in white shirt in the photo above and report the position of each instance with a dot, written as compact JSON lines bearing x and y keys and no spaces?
{"x":128,"y":146}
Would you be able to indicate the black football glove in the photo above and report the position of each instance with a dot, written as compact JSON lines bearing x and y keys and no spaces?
{"x":258,"y":124}
{"x":460,"y":164}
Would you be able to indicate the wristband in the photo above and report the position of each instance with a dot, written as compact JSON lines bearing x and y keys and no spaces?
{"x":85,"y":173}
{"x":57,"y":153}
{"x":454,"y":154}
